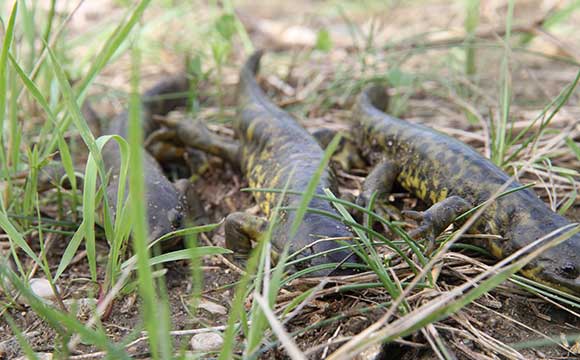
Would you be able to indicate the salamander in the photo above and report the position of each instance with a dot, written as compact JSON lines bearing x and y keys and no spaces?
{"x":169,"y":205}
{"x":452,"y":177}
{"x":274,"y":151}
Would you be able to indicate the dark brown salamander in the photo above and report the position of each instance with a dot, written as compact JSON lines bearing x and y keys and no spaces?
{"x":274,"y":151}
{"x":453,"y":177}
{"x":168,"y":206}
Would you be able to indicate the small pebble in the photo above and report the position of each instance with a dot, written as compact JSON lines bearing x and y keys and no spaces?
{"x":41,"y":288}
{"x":206,"y":342}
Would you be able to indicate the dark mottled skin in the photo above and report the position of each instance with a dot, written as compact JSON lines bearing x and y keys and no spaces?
{"x":274,"y":151}
{"x":167,"y":207}
{"x":434,"y":167}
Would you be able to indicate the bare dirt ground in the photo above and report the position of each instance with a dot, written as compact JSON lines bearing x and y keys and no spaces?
{"x":314,"y":88}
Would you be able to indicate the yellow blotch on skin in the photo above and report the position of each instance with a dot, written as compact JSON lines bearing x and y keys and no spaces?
{"x":533,"y":274}
{"x":442,"y":195}
{"x":433,"y":197}
{"x":495,"y":249}
{"x":435,"y":182}
{"x":422,"y":189}
{"x":250,"y":131}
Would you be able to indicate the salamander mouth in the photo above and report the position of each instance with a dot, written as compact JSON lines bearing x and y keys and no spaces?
{"x":555,"y":279}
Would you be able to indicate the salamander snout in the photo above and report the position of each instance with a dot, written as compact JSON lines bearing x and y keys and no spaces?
{"x":569,"y":270}
{"x":322,"y":242}
{"x":560,"y":266}
{"x":175,"y":217}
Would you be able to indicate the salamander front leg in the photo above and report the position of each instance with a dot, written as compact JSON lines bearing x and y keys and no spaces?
{"x":380,"y":181}
{"x":240,"y":230}
{"x":437,"y":218}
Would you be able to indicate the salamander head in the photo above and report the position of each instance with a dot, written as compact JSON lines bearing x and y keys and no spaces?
{"x":317,"y":236}
{"x":164,"y":216}
{"x":559,"y":266}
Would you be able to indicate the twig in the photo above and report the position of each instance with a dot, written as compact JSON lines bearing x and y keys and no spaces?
{"x":145,"y":337}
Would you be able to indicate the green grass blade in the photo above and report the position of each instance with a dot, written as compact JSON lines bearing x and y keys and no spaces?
{"x":574,"y":147}
{"x":6,"y":43}
{"x":33,"y":89}
{"x":151,"y":307}
{"x":111,"y":46}
{"x":557,"y":103}
{"x":237,"y":306}
{"x":89,"y":209}
{"x":502,"y":133}
{"x":270,"y":286}
{"x":75,"y":114}
{"x":71,"y":250}
{"x":58,"y":319}
{"x":26,"y":347}
{"x":312,"y":184}
{"x":15,"y":237}
{"x":374,"y":261}
{"x":188,"y":254}
{"x":471,"y":22}
{"x":66,"y":158}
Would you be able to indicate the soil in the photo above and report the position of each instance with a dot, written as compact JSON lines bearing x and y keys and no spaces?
{"x":507,"y":314}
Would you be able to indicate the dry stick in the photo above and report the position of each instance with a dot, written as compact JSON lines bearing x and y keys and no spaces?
{"x":103,"y":305}
{"x":285,"y":338}
{"x":383,"y":320}
{"x":314,"y":294}
{"x":100,"y":354}
{"x":329,"y":341}
{"x":431,"y":335}
{"x":117,"y":288}
{"x":529,"y":328}
{"x":487,"y":340}
{"x":561,"y":44}
{"x":444,"y":299}
{"x":224,"y":259}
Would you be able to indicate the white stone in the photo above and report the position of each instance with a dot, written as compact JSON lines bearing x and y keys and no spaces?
{"x":206,"y":342}
{"x":41,"y":288}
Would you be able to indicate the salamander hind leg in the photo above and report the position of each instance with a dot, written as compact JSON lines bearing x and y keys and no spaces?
{"x":347,"y":155}
{"x":437,"y":218}
{"x":194,"y":133}
{"x":240,"y":230}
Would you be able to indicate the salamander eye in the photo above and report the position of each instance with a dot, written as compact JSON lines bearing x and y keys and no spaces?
{"x":569,"y":271}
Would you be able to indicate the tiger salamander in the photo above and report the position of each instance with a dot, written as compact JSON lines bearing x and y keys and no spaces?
{"x":274,"y":151}
{"x":169,"y":205}
{"x":451,"y":177}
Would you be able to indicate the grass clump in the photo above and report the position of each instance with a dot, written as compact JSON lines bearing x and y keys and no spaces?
{"x":69,"y":236}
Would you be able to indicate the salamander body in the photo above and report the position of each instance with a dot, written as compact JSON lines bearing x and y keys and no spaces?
{"x":435,"y":168}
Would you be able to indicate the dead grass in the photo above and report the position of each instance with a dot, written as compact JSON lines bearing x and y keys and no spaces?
{"x":412,"y":47}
